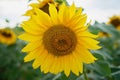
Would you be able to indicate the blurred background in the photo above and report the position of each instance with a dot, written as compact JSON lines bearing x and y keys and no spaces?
{"x":105,"y":17}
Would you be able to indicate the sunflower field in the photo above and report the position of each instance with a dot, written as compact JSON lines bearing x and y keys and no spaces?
{"x":57,"y":42}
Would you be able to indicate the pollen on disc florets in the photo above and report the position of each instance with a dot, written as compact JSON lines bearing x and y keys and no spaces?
{"x":59,"y":40}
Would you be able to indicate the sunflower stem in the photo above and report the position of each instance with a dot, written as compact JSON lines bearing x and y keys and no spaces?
{"x":85,"y":74}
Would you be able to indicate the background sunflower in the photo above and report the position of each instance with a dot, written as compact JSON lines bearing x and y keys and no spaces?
{"x":115,"y":21}
{"x":7,"y":36}
{"x":42,"y":4}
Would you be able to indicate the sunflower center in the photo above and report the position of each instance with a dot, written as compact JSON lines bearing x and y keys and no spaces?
{"x":115,"y":22}
{"x":59,"y":40}
{"x":5,"y":34}
{"x":62,"y":42}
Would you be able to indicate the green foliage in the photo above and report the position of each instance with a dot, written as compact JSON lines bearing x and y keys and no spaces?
{"x":61,"y":1}
{"x":107,"y":65}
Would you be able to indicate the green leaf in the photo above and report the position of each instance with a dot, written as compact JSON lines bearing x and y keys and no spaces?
{"x":108,"y":29}
{"x":116,"y":75}
{"x":102,"y":68}
{"x":98,"y":56}
{"x":29,"y":0}
{"x":104,"y":54}
{"x":61,"y":1}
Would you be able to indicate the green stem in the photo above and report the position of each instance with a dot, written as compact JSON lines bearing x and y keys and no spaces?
{"x":85,"y":74}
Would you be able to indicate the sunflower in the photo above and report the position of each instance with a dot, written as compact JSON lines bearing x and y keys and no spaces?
{"x":42,"y":4}
{"x":115,"y":21}
{"x":7,"y":36}
{"x":59,"y":41}
{"x":103,"y":34}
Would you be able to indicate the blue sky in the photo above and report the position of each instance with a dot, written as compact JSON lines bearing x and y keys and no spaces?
{"x":99,"y":10}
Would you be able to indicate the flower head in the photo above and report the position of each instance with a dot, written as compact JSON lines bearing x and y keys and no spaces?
{"x":7,"y":36}
{"x":115,"y":21}
{"x":103,"y":34}
{"x":59,"y":41}
{"x":42,"y":4}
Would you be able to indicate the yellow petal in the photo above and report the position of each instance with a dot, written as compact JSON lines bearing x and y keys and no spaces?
{"x":67,"y":64}
{"x":78,"y":62}
{"x":92,"y":47}
{"x":31,"y":27}
{"x":40,"y":59}
{"x":85,"y":55}
{"x":66,"y":15}
{"x":31,"y":46}
{"x":88,"y":43}
{"x":43,"y":17}
{"x":30,"y":37}
{"x":72,"y":10}
{"x":54,"y":65}
{"x":29,"y":12}
{"x":61,"y":13}
{"x":32,"y":55}
{"x":79,"y":11}
{"x":53,"y":14}
{"x":38,"y":21}
{"x":81,"y":20}
{"x":73,"y":65}
{"x":47,"y":64}
{"x":58,"y":65}
{"x":86,"y":34}
{"x":77,"y":21}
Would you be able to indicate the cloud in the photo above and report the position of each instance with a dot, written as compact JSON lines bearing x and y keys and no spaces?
{"x":106,"y":4}
{"x":99,"y":10}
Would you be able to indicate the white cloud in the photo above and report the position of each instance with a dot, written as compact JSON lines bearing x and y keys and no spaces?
{"x":12,"y":10}
{"x":99,"y":10}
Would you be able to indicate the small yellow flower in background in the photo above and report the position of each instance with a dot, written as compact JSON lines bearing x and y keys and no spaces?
{"x":59,"y":41}
{"x":42,"y":4}
{"x":115,"y":21}
{"x":7,"y":36}
{"x":103,"y":34}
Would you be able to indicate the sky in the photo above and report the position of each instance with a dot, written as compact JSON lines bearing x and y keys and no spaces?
{"x":100,"y":10}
